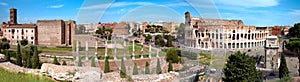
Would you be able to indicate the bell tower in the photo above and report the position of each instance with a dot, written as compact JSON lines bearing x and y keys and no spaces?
{"x":13,"y":16}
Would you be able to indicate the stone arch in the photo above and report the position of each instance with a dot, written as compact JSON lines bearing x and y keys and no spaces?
{"x":248,"y":44}
{"x":241,"y":45}
{"x":202,"y":45}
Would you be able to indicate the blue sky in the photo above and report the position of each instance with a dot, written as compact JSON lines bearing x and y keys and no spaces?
{"x":252,"y":12}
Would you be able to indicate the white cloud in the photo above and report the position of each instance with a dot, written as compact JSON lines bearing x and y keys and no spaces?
{"x":56,"y":6}
{"x":249,"y":3}
{"x":116,"y":4}
{"x":295,"y":12}
{"x":3,"y":4}
{"x":177,"y":4}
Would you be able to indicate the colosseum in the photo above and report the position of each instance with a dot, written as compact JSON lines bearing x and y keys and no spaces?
{"x":208,"y":34}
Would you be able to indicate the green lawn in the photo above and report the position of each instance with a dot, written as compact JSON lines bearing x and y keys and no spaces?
{"x":6,"y":76}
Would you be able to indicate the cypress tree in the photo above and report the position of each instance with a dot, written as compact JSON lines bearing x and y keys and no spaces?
{"x":19,"y":56}
{"x":106,"y":67}
{"x":64,"y":63}
{"x":283,"y":70}
{"x":28,"y":63}
{"x":7,"y":55}
{"x":135,"y":70}
{"x":170,"y":68}
{"x":93,"y":63}
{"x":35,"y":58}
{"x":55,"y":61}
{"x":123,"y":68}
{"x":79,"y":62}
{"x":158,"y":68}
{"x":147,"y":68}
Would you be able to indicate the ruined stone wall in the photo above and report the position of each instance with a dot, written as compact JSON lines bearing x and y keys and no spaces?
{"x":50,"y":32}
{"x":69,"y":31}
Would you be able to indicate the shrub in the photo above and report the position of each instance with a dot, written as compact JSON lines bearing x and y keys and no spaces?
{"x":55,"y":61}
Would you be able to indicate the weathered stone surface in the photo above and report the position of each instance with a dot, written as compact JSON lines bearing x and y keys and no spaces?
{"x":2,"y":57}
{"x":72,"y":73}
{"x":166,"y":77}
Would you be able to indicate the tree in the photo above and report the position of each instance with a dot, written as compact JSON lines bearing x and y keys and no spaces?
{"x":180,"y":31}
{"x":24,"y":42}
{"x":148,"y":37}
{"x":135,"y":70}
{"x":283,"y":70}
{"x":170,"y":68}
{"x":158,"y":68}
{"x":172,"y":55}
{"x":64,"y":62}
{"x":28,"y":63}
{"x":295,"y":31}
{"x":147,"y":68}
{"x":19,"y":56}
{"x":93,"y":62}
{"x":123,"y":68}
{"x":35,"y":58}
{"x":4,"y":40}
{"x":6,"y":45}
{"x":55,"y":61}
{"x":7,"y":55}
{"x":106,"y":67}
{"x":79,"y":61}
{"x":241,"y":68}
{"x":295,"y":47}
{"x":160,"y":42}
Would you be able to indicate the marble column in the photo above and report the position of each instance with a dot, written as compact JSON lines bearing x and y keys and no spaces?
{"x":96,"y":50}
{"x":77,"y":50}
{"x":105,"y":48}
{"x":115,"y":48}
{"x":149,"y":50}
{"x":86,"y":50}
{"x":133,"y":50}
{"x":124,"y":57}
{"x":142,"y":50}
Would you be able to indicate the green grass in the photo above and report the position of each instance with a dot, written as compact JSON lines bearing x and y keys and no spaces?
{"x":6,"y":76}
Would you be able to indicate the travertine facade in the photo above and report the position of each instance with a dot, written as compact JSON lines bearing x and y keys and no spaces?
{"x":208,"y":34}
{"x":55,"y":32}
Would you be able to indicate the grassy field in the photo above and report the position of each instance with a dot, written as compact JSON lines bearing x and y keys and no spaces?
{"x":6,"y":76}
